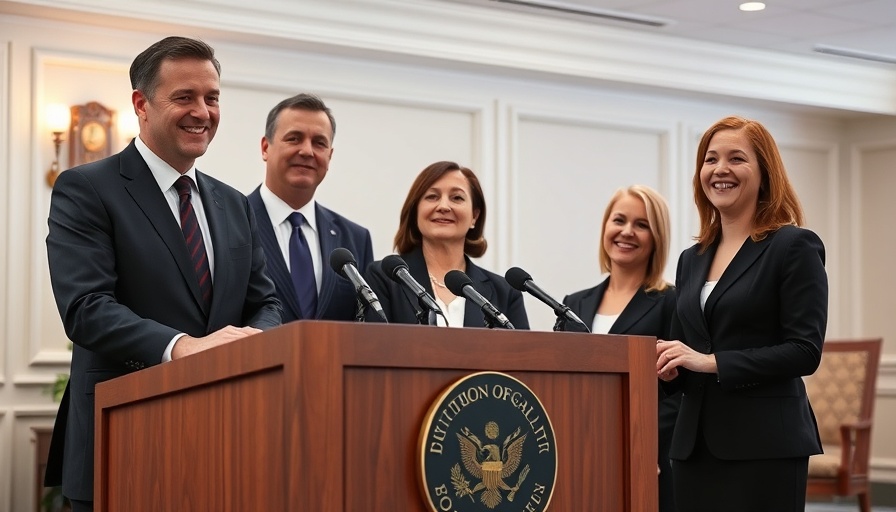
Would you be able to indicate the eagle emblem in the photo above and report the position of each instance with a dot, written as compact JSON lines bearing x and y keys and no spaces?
{"x":490,"y":464}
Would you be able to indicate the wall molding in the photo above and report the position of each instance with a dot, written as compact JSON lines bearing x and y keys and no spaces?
{"x":883,"y":469}
{"x":668,"y":173}
{"x":856,"y":153}
{"x":886,"y":381}
{"x":41,"y":59}
{"x":471,"y":35}
{"x":35,"y":411}
{"x":6,"y":213}
{"x":832,"y":225}
{"x":886,"y":378}
{"x":482,"y":113}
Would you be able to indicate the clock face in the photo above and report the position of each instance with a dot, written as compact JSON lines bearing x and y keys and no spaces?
{"x":93,"y":136}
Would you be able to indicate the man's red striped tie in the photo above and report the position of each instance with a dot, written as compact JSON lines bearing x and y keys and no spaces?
{"x":193,"y":236}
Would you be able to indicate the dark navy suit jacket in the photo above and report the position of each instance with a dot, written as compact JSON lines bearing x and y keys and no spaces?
{"x":125,"y":286}
{"x":336,"y":299}
{"x":400,"y":304}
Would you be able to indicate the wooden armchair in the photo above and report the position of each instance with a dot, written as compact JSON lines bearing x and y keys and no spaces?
{"x":842,"y":393}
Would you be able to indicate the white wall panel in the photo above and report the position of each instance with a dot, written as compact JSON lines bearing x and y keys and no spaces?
{"x":381,"y":145}
{"x":873,"y":311}
{"x":69,"y":78}
{"x":566,"y":169}
{"x":813,"y":171}
{"x":883,"y":448}
{"x":878,"y":242}
{"x":6,"y":470}
{"x":23,"y":456}
{"x":4,"y":211}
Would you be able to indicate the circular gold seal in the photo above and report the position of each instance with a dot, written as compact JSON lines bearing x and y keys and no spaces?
{"x":487,"y":444}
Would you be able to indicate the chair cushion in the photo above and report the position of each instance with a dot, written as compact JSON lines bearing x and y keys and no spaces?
{"x":825,"y":465}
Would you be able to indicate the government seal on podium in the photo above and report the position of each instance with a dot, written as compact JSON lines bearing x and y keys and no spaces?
{"x":487,"y":444}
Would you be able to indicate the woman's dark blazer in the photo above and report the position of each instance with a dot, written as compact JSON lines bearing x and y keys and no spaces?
{"x":765,"y":322}
{"x":646,"y":314}
{"x":399,"y":303}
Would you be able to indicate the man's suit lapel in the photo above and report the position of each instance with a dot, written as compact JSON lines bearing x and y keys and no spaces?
{"x":218,"y":226}
{"x":144,"y":190}
{"x":328,"y":236}
{"x":274,"y":262}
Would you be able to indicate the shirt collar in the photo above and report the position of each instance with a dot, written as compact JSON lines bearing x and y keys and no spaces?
{"x":164,"y":174}
{"x":279,"y":211}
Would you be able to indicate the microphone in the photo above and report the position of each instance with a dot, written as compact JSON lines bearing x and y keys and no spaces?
{"x":522,"y":281}
{"x":397,"y":269}
{"x":460,"y":284}
{"x":343,"y":263}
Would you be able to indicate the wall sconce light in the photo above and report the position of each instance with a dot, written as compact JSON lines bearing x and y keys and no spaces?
{"x":90,"y":133}
{"x":58,"y":118}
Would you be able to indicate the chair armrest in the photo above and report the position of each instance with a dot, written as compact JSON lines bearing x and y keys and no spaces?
{"x":855,"y":443}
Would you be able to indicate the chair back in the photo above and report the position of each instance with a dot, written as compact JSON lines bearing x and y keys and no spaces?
{"x":842,"y":392}
{"x":842,"y":389}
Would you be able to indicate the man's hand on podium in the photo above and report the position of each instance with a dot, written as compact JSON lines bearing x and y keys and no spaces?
{"x":189,"y":345}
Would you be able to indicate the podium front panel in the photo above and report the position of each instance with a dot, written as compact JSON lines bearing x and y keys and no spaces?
{"x":327,"y":416}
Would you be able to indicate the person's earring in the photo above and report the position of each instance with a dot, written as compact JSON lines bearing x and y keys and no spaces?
{"x":473,"y":226}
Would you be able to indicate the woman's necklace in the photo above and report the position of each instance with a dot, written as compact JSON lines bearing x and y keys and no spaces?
{"x":435,"y":282}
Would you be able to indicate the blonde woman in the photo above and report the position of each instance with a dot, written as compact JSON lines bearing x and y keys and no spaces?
{"x":634,"y":298}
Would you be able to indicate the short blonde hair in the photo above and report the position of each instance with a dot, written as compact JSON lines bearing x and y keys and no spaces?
{"x":658,"y":218}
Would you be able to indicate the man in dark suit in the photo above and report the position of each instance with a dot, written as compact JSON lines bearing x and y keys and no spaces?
{"x":297,"y":147}
{"x":150,"y":260}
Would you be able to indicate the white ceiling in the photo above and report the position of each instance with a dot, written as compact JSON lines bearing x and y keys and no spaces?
{"x":792,"y":26}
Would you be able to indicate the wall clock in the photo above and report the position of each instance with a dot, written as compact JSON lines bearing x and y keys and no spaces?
{"x":90,"y":133}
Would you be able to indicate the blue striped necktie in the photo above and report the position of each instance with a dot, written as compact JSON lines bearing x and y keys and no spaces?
{"x":301,"y":267}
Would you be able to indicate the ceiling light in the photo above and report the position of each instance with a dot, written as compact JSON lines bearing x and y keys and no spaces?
{"x":752,"y":6}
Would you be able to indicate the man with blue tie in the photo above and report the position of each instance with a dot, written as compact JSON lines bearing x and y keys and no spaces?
{"x":297,"y":233}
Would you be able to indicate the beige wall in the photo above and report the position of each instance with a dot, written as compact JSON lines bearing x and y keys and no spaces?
{"x":550,"y":148}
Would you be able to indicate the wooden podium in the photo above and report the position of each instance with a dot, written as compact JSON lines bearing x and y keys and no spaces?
{"x":325,"y":416}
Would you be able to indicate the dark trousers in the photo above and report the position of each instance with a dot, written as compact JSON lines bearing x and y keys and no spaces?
{"x":668,"y":407}
{"x":81,"y":506}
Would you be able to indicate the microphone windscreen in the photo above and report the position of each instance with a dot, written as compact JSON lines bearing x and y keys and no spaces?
{"x":391,"y":264}
{"x":517,"y":278}
{"x":339,"y":257}
{"x":455,"y":280}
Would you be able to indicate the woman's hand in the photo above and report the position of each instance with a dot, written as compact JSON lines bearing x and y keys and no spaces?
{"x":671,"y":355}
